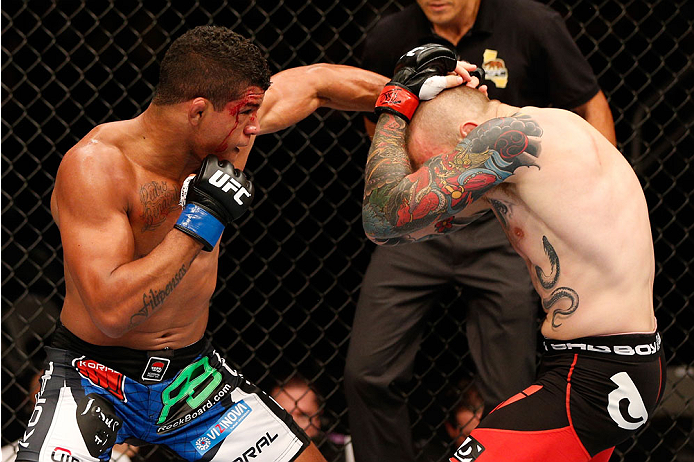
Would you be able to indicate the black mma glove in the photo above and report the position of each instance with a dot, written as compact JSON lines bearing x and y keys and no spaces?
{"x":216,"y":196}
{"x":401,"y":95}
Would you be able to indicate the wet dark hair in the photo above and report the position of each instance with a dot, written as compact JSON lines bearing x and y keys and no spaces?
{"x":210,"y":62}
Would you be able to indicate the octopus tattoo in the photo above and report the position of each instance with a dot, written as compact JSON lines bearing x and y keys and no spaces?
{"x":548,"y":282}
{"x":398,"y":201}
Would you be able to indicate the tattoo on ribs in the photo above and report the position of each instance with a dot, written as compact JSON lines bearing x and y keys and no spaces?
{"x":158,"y":200}
{"x":549,"y":281}
{"x":154,"y":298}
{"x":502,"y":211}
{"x":398,"y":201}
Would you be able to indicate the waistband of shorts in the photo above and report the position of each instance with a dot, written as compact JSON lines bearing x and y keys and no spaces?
{"x":639,"y":346}
{"x":129,"y":361}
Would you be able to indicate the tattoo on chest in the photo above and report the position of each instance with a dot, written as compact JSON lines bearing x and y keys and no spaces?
{"x":155,"y":297}
{"x":158,"y":199}
{"x":549,"y":281}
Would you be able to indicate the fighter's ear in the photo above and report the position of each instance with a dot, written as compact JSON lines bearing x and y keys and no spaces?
{"x":197,"y":109}
{"x":466,"y":128}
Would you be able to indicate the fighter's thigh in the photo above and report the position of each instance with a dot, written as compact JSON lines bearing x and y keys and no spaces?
{"x":66,"y":425}
{"x":532,"y":425}
{"x":255,"y":428}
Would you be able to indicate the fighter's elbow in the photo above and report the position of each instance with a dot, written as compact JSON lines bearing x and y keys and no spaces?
{"x":375,"y":240}
{"x":109,"y":318}
{"x":112,"y":324}
{"x":377,"y":233}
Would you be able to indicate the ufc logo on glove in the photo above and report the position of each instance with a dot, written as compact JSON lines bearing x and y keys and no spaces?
{"x":225,"y":182}
{"x":208,"y":207}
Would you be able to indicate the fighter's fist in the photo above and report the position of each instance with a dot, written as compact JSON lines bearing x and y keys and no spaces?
{"x":217,"y":195}
{"x":419,"y":74}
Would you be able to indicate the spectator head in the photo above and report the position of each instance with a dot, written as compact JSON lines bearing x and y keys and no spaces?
{"x":466,"y":407}
{"x":298,"y":398}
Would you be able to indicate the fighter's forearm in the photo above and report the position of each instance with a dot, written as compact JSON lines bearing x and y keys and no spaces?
{"x":156,"y":292}
{"x":346,"y":87}
{"x":393,"y":205}
{"x":297,"y":92}
{"x":132,"y":292}
{"x":401,"y":203}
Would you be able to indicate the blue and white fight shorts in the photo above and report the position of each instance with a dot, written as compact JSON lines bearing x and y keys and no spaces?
{"x":93,"y":397}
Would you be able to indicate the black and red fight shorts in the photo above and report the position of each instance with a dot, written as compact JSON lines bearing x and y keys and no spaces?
{"x":591,"y":394}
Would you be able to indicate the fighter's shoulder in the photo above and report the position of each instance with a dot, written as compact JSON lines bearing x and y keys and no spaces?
{"x":561,"y":130}
{"x":547,"y":114}
{"x":96,"y":161}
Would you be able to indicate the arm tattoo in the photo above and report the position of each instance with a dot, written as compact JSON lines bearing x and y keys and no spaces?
{"x":158,"y":200}
{"x":398,"y":201}
{"x":154,"y":298}
{"x":549,"y":281}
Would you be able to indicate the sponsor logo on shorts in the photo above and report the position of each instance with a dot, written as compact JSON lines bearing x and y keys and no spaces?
{"x":98,"y":423}
{"x":156,"y":368}
{"x":189,"y":417}
{"x":257,"y":449}
{"x":191,"y":390}
{"x":101,"y":376}
{"x":202,"y":444}
{"x":470,"y":450}
{"x":40,"y":400}
{"x":624,"y":404}
{"x":63,"y":455}
{"x":645,"y":349}
{"x":226,"y":424}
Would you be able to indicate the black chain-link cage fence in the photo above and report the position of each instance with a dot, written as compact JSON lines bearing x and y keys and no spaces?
{"x":290,"y":271}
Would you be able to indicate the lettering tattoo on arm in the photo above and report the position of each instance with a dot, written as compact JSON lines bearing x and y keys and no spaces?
{"x":158,"y":199}
{"x":155,"y":297}
{"x":398,"y":201}
{"x":548,"y":282}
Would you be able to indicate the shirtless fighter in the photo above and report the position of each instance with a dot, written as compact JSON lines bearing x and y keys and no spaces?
{"x":574,"y":210}
{"x":129,"y":361}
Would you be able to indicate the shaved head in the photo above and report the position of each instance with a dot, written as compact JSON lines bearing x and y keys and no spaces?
{"x":435,"y":127}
